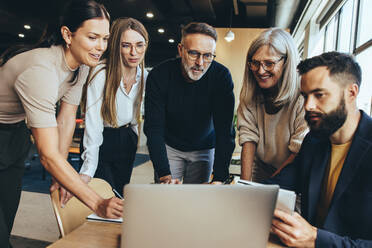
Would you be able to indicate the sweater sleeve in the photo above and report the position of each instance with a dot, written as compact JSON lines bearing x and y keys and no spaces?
{"x":299,"y":126}
{"x":247,"y":124}
{"x":155,"y":122}
{"x":223,"y":111}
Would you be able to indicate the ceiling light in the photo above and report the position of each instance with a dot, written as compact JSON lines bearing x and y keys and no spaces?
{"x":27,"y":26}
{"x":161,"y":30}
{"x":171,"y":40}
{"x":21,"y":35}
{"x":149,"y":15}
{"x":230,"y":36}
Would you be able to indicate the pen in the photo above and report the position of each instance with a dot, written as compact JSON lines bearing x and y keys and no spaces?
{"x":117,"y":194}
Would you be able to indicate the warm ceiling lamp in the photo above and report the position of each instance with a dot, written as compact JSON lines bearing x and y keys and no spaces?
{"x":161,"y":30}
{"x":21,"y":35}
{"x":230,"y":36}
{"x":26,"y":26}
{"x":149,"y":15}
{"x":171,"y":40}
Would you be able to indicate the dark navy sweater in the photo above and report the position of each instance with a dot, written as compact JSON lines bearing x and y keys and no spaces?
{"x":189,"y":116}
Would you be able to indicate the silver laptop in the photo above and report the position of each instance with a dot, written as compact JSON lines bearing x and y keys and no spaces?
{"x":192,"y":216}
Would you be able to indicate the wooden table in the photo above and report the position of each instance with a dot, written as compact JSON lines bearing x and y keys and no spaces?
{"x":104,"y":234}
{"x":92,"y":234}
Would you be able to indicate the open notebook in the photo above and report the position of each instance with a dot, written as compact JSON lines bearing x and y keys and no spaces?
{"x":95,"y":217}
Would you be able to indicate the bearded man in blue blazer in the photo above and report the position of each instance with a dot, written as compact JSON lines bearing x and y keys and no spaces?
{"x":333,"y":170}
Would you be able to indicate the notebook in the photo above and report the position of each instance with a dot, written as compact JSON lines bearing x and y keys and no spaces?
{"x":94,"y":217}
{"x":184,"y":216}
{"x":286,"y":198}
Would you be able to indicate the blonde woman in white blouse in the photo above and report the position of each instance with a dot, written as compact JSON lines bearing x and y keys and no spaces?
{"x":112,"y":106}
{"x":270,"y":114}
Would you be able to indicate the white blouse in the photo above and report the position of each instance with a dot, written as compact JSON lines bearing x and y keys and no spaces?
{"x":94,"y":123}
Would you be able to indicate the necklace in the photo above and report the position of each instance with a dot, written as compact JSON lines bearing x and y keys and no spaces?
{"x":128,"y":82}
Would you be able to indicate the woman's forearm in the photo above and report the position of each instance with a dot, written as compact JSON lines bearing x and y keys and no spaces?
{"x":247,"y":158}
{"x":66,"y":127}
{"x":289,"y":160}
{"x":55,"y":163}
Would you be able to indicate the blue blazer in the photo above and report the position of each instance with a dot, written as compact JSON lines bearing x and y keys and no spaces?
{"x":349,"y":219}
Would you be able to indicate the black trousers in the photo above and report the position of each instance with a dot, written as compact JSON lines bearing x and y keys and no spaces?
{"x":14,"y":146}
{"x":116,"y":156}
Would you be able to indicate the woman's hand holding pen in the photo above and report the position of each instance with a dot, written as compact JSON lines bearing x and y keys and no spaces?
{"x":110,"y":208}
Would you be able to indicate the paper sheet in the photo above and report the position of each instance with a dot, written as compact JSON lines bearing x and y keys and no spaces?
{"x":286,"y":199}
{"x":97,"y":218}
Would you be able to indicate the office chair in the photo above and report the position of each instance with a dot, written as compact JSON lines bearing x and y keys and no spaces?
{"x":75,"y":212}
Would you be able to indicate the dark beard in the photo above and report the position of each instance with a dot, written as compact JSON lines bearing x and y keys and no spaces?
{"x":329,"y":123}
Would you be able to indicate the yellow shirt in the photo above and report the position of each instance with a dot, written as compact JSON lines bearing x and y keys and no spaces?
{"x":336,"y":162}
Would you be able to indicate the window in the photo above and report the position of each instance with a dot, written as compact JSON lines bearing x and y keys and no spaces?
{"x":319,"y":47}
{"x":345,"y":27}
{"x":331,"y":35}
{"x":363,"y":52}
{"x":364,"y":97}
{"x":365,"y":22}
{"x":349,"y":31}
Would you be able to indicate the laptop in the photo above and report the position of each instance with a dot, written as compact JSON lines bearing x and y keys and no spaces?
{"x":192,"y":216}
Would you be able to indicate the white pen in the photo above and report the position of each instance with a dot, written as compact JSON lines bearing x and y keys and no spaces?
{"x":117,"y":194}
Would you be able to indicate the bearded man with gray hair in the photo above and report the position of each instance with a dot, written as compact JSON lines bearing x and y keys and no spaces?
{"x":189,"y":107}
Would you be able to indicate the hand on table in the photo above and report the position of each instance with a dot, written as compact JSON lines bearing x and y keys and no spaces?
{"x":169,"y":180}
{"x":293,"y":230}
{"x":216,"y":182}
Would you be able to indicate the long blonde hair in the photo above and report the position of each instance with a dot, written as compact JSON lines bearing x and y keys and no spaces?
{"x":280,"y":42}
{"x":114,"y":71}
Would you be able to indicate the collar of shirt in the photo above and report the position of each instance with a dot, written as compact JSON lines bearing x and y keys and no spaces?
{"x":133,"y":91}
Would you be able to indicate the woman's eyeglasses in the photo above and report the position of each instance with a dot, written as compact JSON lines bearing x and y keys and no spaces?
{"x":139,"y":47}
{"x":267,"y":65}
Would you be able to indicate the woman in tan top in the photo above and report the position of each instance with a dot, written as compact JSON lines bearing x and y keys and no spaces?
{"x":270,"y":114}
{"x":31,"y":83}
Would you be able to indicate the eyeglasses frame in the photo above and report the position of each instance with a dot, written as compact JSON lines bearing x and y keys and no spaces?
{"x":135,"y":47}
{"x":198,"y":55}
{"x":262,"y":63}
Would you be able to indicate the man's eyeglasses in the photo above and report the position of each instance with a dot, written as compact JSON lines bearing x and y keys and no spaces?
{"x":194,"y":55}
{"x":267,"y":65}
{"x":139,"y":47}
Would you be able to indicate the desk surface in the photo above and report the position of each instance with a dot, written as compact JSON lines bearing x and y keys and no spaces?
{"x":103,"y":234}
